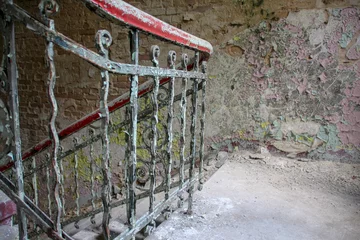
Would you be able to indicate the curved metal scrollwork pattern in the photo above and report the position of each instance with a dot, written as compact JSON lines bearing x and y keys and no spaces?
{"x":148,"y":160}
{"x":163,"y":96}
{"x":48,"y":8}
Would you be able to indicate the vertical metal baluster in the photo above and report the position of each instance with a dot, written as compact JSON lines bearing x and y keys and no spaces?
{"x":155,"y":52}
{"x":184,"y":62}
{"x":193,"y":135}
{"x":92,"y":172}
{"x":103,"y":42}
{"x":171,"y":64}
{"x":202,"y":128}
{"x":62,"y":182}
{"x":47,"y":9}
{"x":134,"y":49}
{"x":76,"y":178}
{"x":34,"y":183}
{"x":47,"y":159}
{"x":127,"y":158}
{"x":15,"y":121}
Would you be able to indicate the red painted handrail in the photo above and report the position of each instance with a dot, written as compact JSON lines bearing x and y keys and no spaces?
{"x":120,"y":11}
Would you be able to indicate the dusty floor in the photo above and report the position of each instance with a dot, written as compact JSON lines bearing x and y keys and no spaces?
{"x":272,"y":198}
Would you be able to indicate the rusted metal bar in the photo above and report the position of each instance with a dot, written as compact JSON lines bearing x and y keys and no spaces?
{"x":34,"y":182}
{"x":62,"y":180}
{"x":184,"y":61}
{"x":47,"y":157}
{"x":92,"y":172}
{"x":169,"y":130}
{"x":15,"y":117}
{"x":127,"y":160}
{"x":202,"y":127}
{"x":47,"y":9}
{"x":103,"y":42}
{"x":193,"y":135}
{"x":155,"y":52}
{"x":76,"y":178}
{"x":35,"y":187}
{"x":134,"y":49}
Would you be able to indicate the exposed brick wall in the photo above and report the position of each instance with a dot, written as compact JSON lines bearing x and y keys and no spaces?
{"x":77,"y":86}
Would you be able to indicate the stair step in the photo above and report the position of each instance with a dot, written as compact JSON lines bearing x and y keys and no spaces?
{"x":9,"y":232}
{"x":117,"y":227}
{"x":87,"y":235}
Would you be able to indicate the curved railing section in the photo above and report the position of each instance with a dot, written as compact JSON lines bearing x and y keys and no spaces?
{"x":137,"y":146}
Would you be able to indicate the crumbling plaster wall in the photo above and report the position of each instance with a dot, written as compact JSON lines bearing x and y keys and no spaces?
{"x":292,"y":85}
{"x":284,"y":73}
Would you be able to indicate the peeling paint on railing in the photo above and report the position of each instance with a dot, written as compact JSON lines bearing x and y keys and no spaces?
{"x":125,"y":13}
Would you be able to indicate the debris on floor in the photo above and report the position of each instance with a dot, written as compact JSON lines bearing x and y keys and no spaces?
{"x":259,"y":196}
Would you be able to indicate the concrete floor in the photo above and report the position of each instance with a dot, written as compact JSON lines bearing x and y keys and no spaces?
{"x":243,"y":200}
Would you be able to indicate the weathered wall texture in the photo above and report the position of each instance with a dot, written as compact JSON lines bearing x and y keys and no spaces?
{"x":284,"y":73}
{"x":295,"y":86}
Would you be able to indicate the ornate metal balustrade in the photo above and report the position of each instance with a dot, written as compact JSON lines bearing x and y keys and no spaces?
{"x":145,"y":144}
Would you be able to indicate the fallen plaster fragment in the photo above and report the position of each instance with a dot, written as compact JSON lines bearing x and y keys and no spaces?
{"x":294,"y":148}
{"x":221,"y":159}
{"x":256,"y":156}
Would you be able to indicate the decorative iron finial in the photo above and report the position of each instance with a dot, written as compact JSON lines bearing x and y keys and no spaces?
{"x":103,"y":41}
{"x":155,"y":53}
{"x":184,"y":60}
{"x":171,"y":58}
{"x":60,"y":149}
{"x":91,"y":132}
{"x":196,"y":64}
{"x":76,"y":141}
{"x":204,"y":66}
{"x":48,"y":8}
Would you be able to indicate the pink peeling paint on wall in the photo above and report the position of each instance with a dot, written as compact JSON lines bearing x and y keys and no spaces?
{"x":349,"y":127}
{"x":306,"y":68}
{"x":322,"y":77}
{"x":354,"y":51}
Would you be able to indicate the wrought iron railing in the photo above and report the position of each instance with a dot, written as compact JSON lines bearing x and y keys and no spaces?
{"x":140,"y":145}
